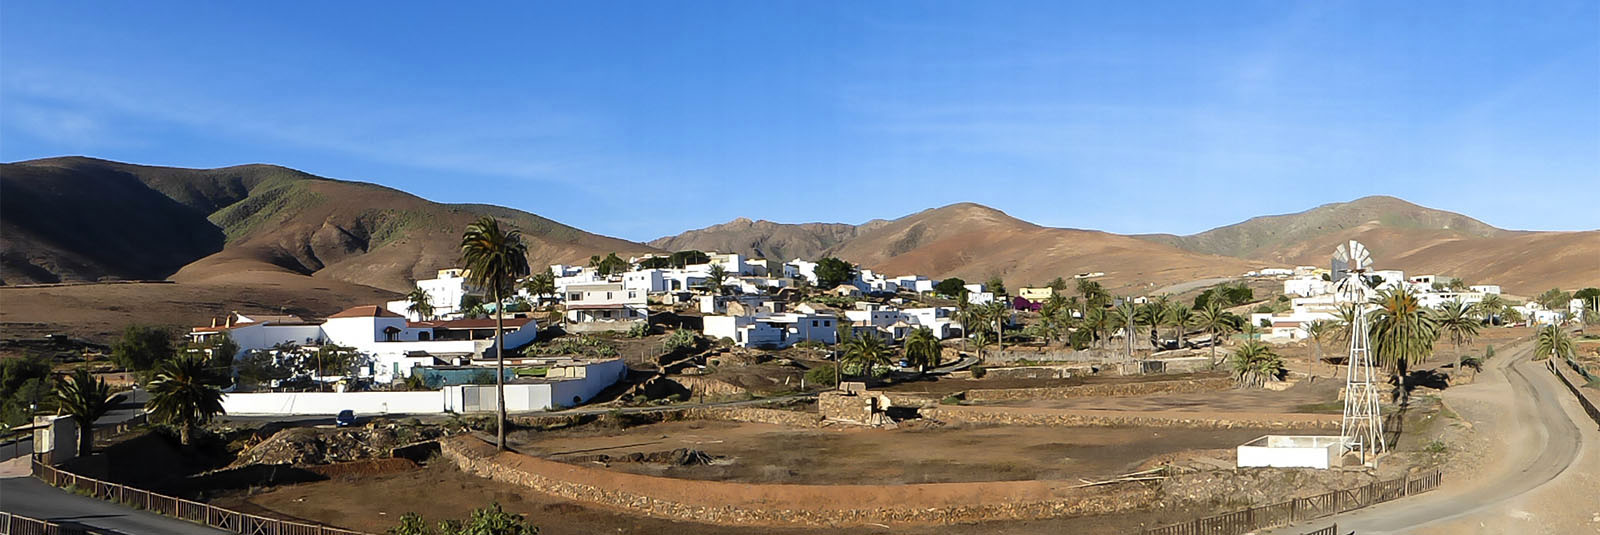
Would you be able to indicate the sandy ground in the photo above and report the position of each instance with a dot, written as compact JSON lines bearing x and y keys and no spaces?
{"x":1295,"y":399}
{"x":948,"y":385}
{"x":765,"y":453}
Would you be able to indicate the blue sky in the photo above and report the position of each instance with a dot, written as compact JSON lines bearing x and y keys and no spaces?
{"x":643,"y":119}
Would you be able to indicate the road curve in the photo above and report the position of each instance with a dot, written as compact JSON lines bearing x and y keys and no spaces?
{"x":1548,"y":448}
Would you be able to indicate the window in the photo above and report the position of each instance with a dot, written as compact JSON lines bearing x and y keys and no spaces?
{"x":813,"y":323}
{"x":606,"y":314}
{"x":575,"y":297}
{"x":608,"y":295}
{"x":826,"y":323}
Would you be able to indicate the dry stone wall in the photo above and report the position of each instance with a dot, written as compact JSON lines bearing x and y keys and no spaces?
{"x":1180,"y":386}
{"x":796,"y":505}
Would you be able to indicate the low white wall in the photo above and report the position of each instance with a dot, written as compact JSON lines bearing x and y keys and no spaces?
{"x":330,"y":403}
{"x":1279,"y":451}
{"x":522,"y":397}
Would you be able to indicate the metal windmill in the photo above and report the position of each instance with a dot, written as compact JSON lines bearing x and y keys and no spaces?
{"x":1362,"y":427}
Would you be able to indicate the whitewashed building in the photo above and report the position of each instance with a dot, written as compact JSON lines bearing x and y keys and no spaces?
{"x":604,"y":306}
{"x":774,"y":331}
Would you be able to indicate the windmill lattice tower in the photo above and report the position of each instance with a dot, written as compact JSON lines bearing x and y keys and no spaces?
{"x":1362,"y":426}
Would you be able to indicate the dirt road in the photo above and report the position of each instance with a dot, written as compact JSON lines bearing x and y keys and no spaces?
{"x":1527,"y":409}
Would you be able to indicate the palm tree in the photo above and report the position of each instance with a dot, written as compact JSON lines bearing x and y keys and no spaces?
{"x":421,"y":304}
{"x":1098,"y":322}
{"x":1490,"y":308}
{"x":867,"y":352}
{"x":1552,"y":342}
{"x":1126,"y":315}
{"x":85,"y":399}
{"x":1403,"y":333}
{"x":1180,"y":317}
{"x":1455,"y":321}
{"x":495,"y":258}
{"x":1214,"y":319}
{"x":922,"y":348}
{"x":996,"y":311}
{"x":179,"y":394}
{"x":1093,"y":294}
{"x":715,"y":278}
{"x":538,"y":284}
{"x":1254,"y":363}
{"x":1318,"y":331}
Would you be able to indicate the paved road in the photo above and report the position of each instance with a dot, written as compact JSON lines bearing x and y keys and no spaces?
{"x":30,"y":497}
{"x":131,"y":404}
{"x":1549,"y":444}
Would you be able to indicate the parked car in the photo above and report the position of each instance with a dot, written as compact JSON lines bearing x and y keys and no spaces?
{"x":346,"y":418}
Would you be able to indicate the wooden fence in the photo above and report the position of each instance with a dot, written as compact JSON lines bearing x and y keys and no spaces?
{"x":1330,"y":530}
{"x":1299,"y":509}
{"x":197,"y":512}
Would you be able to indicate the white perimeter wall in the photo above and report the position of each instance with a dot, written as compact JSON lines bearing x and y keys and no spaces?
{"x":1287,"y":452}
{"x":519,"y":397}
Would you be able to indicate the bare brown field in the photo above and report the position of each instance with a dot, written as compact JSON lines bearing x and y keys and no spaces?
{"x":766,"y":453}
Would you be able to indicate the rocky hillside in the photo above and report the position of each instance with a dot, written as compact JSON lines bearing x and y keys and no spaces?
{"x":764,"y":239}
{"x":1417,"y":239}
{"x":76,"y":219}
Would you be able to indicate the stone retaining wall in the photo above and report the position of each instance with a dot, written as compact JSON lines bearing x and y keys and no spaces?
{"x":708,"y":386}
{"x":1105,"y":418}
{"x":756,"y":415}
{"x":796,"y":505}
{"x":1180,"y":386}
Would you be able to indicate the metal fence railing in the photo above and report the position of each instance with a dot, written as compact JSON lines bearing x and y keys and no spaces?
{"x":1330,"y":530}
{"x":14,"y":524}
{"x":1300,"y":509}
{"x":197,"y":512}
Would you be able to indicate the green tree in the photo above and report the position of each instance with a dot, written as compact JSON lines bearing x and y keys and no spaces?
{"x":682,"y":259}
{"x":1589,"y":296}
{"x":1094,"y":296}
{"x":1254,"y":363}
{"x":24,"y":387}
{"x":996,"y":286}
{"x":420,"y":303}
{"x":1552,"y":341}
{"x":1455,"y":321}
{"x":866,"y":352}
{"x":1213,"y":318}
{"x":1180,"y":317}
{"x":1491,"y":308}
{"x":1127,"y":316}
{"x":1058,"y":285}
{"x":85,"y":399}
{"x":922,"y":348}
{"x":951,"y":287}
{"x":142,"y":347}
{"x":716,"y":277}
{"x":261,"y":367}
{"x":496,"y":259}
{"x":832,"y":272}
{"x":1553,"y":299}
{"x":1098,"y":323}
{"x":180,"y":395}
{"x":655,"y":262}
{"x":1402,"y":333}
{"x":1319,"y":331}
{"x":541,"y":283}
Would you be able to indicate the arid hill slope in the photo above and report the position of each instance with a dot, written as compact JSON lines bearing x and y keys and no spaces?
{"x":975,"y":242}
{"x":1416,"y":239}
{"x":250,"y":218}
{"x":762,"y":239}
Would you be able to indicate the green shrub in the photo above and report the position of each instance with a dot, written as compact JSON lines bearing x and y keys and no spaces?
{"x":639,"y":330}
{"x":951,"y":399}
{"x":1436,"y":446}
{"x":979,"y":371}
{"x":680,"y":339}
{"x":822,"y":375}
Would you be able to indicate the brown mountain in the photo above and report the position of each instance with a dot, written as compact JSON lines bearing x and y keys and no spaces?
{"x":1405,"y":236}
{"x":75,"y":219}
{"x":762,"y":239}
{"x":975,"y":242}
{"x":251,"y":238}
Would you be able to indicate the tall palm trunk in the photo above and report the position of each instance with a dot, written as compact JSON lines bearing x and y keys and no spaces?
{"x":500,"y":369}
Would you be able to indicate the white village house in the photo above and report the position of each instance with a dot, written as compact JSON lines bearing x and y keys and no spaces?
{"x":604,"y":306}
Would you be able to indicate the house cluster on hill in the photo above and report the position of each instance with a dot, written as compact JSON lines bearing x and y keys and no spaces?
{"x":1315,"y":296}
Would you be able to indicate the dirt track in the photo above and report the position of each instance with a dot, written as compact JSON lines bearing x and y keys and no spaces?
{"x":1528,"y":409}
